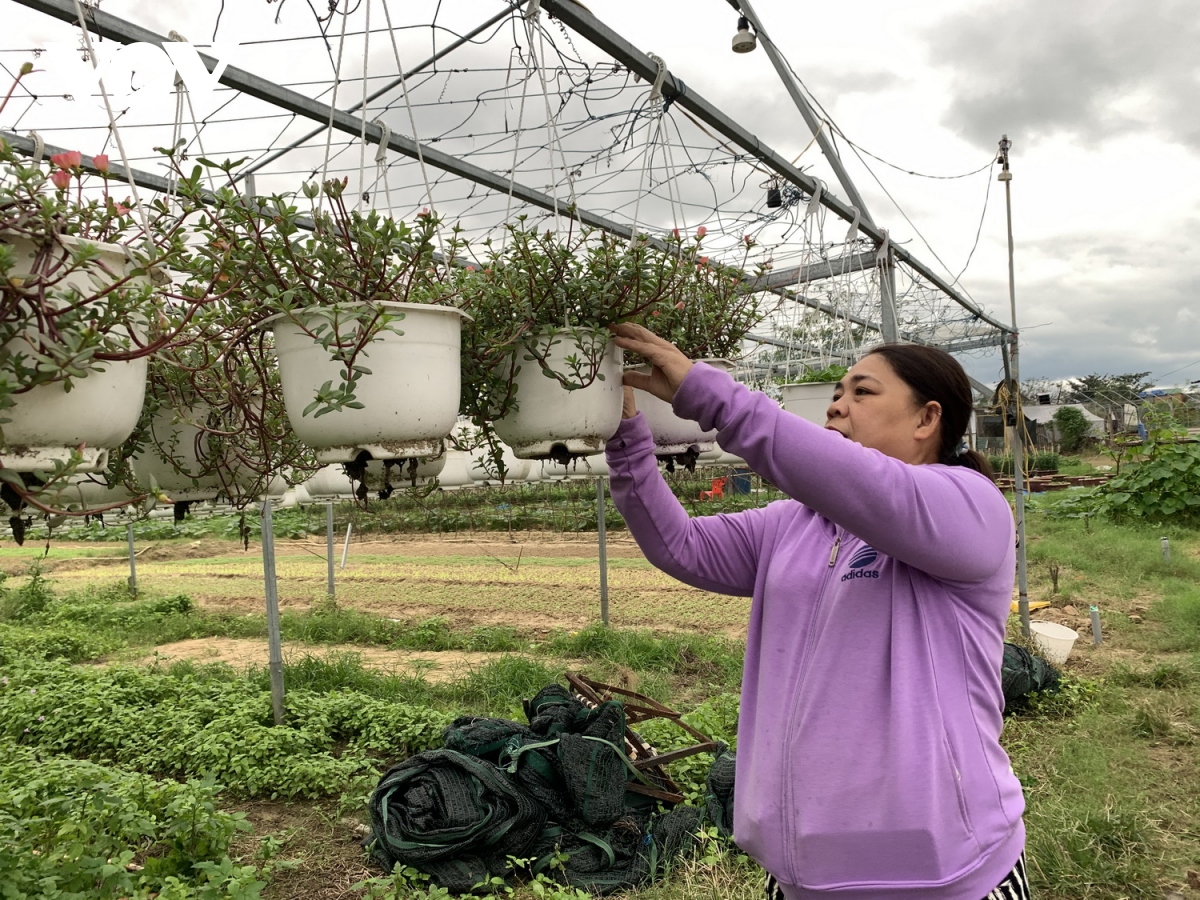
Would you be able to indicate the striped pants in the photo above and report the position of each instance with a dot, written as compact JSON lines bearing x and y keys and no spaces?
{"x":1014,"y":887}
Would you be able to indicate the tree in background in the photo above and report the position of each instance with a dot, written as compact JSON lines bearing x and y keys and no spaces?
{"x":1072,"y":427}
{"x":1107,"y":395}
{"x":1108,"y":390}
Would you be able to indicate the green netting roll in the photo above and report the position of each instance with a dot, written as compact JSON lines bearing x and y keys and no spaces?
{"x":456,"y":817}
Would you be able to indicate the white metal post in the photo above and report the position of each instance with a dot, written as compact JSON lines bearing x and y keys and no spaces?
{"x":602,"y":538}
{"x":274,"y":639}
{"x":1019,"y":443}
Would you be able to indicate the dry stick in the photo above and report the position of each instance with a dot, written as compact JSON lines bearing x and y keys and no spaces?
{"x":346,"y":545}
{"x":132,"y":562}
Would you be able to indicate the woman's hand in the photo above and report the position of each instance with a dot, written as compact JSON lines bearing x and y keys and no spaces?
{"x":669,"y":365}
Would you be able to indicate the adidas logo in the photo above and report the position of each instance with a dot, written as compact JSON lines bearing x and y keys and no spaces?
{"x":864,"y":557}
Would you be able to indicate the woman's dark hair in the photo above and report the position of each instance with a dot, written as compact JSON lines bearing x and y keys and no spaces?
{"x":933,"y":374}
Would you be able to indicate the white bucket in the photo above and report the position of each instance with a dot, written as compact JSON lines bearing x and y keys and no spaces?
{"x":1055,"y":640}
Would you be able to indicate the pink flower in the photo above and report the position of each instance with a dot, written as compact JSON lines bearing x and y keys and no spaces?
{"x":100,"y":161}
{"x":68,"y":159}
{"x":121,"y":208}
{"x":470,"y":268}
{"x":654,"y":313}
{"x":675,"y":233}
{"x":703,"y":260}
{"x":749,"y":240}
{"x":701,"y":231}
{"x":61,"y":179}
{"x":424,"y":211}
{"x":679,"y":305}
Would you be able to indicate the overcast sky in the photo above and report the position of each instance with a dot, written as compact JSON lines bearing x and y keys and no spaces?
{"x":1098,"y":97}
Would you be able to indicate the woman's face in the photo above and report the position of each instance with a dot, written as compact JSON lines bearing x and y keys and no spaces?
{"x":872,"y":406}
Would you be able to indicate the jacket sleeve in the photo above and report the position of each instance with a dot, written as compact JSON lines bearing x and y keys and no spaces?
{"x":715,"y":553}
{"x":948,"y":521}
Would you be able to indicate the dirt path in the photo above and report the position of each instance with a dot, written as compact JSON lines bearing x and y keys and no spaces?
{"x":242,"y":653}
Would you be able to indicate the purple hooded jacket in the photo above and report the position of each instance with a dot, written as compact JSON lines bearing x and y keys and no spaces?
{"x":868,"y":764}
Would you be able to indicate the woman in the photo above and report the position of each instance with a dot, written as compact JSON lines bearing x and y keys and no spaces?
{"x":869,"y":764}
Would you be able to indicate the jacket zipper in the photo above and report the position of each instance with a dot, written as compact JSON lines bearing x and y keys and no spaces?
{"x":808,"y":647}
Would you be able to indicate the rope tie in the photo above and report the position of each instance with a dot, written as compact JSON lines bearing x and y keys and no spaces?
{"x":39,"y":147}
{"x":382,"y":148}
{"x":656,"y":88}
{"x":814,"y":202}
{"x":882,"y":251}
{"x":532,"y":10}
{"x":852,"y":233}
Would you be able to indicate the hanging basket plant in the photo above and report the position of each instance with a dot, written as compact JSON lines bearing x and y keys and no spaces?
{"x":540,"y":372}
{"x":214,"y":425}
{"x":362,"y":308}
{"x":85,"y":301}
{"x":707,"y":316}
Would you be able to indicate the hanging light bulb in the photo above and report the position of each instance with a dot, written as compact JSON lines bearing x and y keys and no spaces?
{"x":744,"y":41}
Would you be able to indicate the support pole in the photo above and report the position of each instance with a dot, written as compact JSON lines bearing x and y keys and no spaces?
{"x":346,"y":546}
{"x":603,"y":541}
{"x":888,"y":326}
{"x":789,"y":82}
{"x":1014,"y":377}
{"x":132,"y":562}
{"x":329,"y":547}
{"x":274,"y":639}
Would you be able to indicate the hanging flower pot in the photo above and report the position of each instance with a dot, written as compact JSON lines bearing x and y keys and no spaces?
{"x":455,"y":473}
{"x":483,"y":469}
{"x":809,"y":400}
{"x":179,"y":458}
{"x":99,"y":406}
{"x":330,"y":483}
{"x":674,"y":435}
{"x":555,"y":418}
{"x":403,"y":406}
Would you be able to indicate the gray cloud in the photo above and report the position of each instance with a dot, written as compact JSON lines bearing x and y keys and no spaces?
{"x":1039,"y":69}
{"x":1088,"y":321}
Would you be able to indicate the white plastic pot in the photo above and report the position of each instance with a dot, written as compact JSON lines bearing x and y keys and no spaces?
{"x":553,"y":421}
{"x":719,"y":457}
{"x":82,"y":492}
{"x":673,"y":434}
{"x":100,"y":411}
{"x":808,"y":401}
{"x":330,"y":483}
{"x":483,"y":472}
{"x":410,"y":399}
{"x":183,"y":477}
{"x":1054,"y":640}
{"x":455,"y":472}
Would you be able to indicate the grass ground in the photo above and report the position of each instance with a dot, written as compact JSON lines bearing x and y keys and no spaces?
{"x":1110,"y":766}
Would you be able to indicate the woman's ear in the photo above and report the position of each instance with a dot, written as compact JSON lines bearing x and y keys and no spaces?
{"x":929,"y":422}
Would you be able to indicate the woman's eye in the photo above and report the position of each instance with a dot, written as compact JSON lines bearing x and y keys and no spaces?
{"x":861,"y":391}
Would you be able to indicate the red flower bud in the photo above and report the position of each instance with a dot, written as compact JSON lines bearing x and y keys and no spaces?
{"x":100,"y":160}
{"x":701,"y":231}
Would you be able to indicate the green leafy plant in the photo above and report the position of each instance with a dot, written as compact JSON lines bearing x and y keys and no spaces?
{"x":334,"y":281}
{"x":83,"y":287}
{"x":831,"y":373}
{"x":71,"y":828}
{"x":708,"y":312}
{"x":1165,"y":486}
